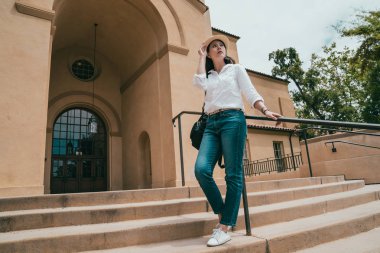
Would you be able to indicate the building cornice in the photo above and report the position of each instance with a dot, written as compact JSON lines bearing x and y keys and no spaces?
{"x":35,"y":11}
{"x":225,"y":33}
{"x":283,"y":81}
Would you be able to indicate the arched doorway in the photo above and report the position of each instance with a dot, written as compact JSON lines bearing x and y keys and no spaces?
{"x":79,"y":152}
{"x":132,"y":71}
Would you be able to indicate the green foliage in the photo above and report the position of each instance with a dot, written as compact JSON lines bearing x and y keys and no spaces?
{"x":328,"y":90}
{"x":340,"y":85}
{"x":367,"y":57}
{"x":367,"y":29}
{"x":371,"y":105}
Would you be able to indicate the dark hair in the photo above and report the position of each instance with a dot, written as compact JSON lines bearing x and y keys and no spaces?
{"x":210,"y":65}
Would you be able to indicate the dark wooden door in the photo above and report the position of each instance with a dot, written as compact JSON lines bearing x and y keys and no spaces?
{"x":78,"y":174}
{"x":92,"y":174}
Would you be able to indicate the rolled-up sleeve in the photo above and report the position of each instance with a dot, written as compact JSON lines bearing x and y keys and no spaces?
{"x":199,"y":80}
{"x":246,"y":86}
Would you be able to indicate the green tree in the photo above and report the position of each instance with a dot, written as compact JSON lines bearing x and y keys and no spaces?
{"x":367,"y":29}
{"x":328,"y":90}
{"x":367,"y":57}
{"x":340,"y":85}
{"x":371,"y":103}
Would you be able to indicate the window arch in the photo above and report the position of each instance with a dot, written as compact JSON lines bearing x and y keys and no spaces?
{"x":71,"y":134}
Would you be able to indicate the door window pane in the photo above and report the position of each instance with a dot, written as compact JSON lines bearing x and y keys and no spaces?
{"x":71,"y":168}
{"x":100,"y":168}
{"x":86,"y":168}
{"x":57,"y":170}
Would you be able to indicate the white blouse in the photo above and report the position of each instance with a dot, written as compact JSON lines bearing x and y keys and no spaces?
{"x":224,"y":90}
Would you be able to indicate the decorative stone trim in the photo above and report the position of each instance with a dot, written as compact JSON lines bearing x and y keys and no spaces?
{"x":34,"y":11}
{"x":174,"y":49}
{"x":178,"y":49}
{"x":177,"y":21}
{"x":150,"y":61}
{"x":199,"y":5}
{"x":163,"y":51}
{"x":82,"y":99}
{"x":138,"y":72}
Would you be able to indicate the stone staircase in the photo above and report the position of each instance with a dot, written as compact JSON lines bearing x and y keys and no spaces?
{"x":286,"y":216}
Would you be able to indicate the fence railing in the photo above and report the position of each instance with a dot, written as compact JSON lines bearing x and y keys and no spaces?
{"x":285,"y":163}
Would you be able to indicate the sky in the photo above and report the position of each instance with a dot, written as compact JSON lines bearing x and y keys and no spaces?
{"x":267,"y":25}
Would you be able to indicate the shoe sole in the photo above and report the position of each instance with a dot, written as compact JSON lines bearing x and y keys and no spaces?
{"x":219,"y":244}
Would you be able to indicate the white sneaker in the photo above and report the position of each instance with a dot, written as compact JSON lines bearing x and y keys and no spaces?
{"x":218,"y":237}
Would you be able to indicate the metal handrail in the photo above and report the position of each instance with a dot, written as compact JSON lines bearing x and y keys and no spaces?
{"x":351,"y":143}
{"x":342,"y":131}
{"x":282,"y":119}
{"x":304,"y":121}
{"x":321,"y":122}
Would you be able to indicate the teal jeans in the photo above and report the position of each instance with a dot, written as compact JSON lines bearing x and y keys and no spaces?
{"x":225,"y":134}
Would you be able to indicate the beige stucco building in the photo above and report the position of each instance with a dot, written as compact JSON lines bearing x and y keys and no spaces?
{"x":53,"y":85}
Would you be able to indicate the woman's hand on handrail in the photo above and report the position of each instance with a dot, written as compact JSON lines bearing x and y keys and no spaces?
{"x":273,"y":115}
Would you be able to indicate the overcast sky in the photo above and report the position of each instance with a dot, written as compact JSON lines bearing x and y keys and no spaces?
{"x":267,"y":25}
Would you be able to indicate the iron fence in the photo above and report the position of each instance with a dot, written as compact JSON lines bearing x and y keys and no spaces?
{"x":282,"y":164}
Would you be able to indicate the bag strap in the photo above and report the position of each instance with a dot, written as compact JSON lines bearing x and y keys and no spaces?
{"x":203,"y":107}
{"x":222,"y":166}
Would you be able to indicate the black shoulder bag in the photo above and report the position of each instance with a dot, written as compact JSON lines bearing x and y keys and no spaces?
{"x":197,"y":131}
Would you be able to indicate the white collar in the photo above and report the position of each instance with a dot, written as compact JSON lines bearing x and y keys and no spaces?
{"x":224,"y":67}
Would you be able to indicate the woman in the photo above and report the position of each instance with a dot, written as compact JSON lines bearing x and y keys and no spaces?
{"x":226,"y":129}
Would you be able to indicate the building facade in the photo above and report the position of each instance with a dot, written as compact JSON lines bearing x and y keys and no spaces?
{"x":89,"y":89}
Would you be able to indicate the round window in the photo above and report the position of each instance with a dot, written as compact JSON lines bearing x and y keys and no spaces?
{"x":83,"y":70}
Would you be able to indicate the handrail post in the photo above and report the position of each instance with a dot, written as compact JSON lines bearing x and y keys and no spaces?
{"x":246,"y":210}
{"x":181,"y":150}
{"x":307,"y":153}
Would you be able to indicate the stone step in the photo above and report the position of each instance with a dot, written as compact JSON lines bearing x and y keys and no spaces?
{"x":135,"y":196}
{"x":138,"y":232}
{"x":53,"y":217}
{"x":275,"y":196}
{"x":239,"y":244}
{"x":311,"y":231}
{"x":366,"y":242}
{"x":288,"y":236}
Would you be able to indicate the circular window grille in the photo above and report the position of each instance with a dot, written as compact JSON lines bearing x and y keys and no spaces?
{"x":83,"y":70}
